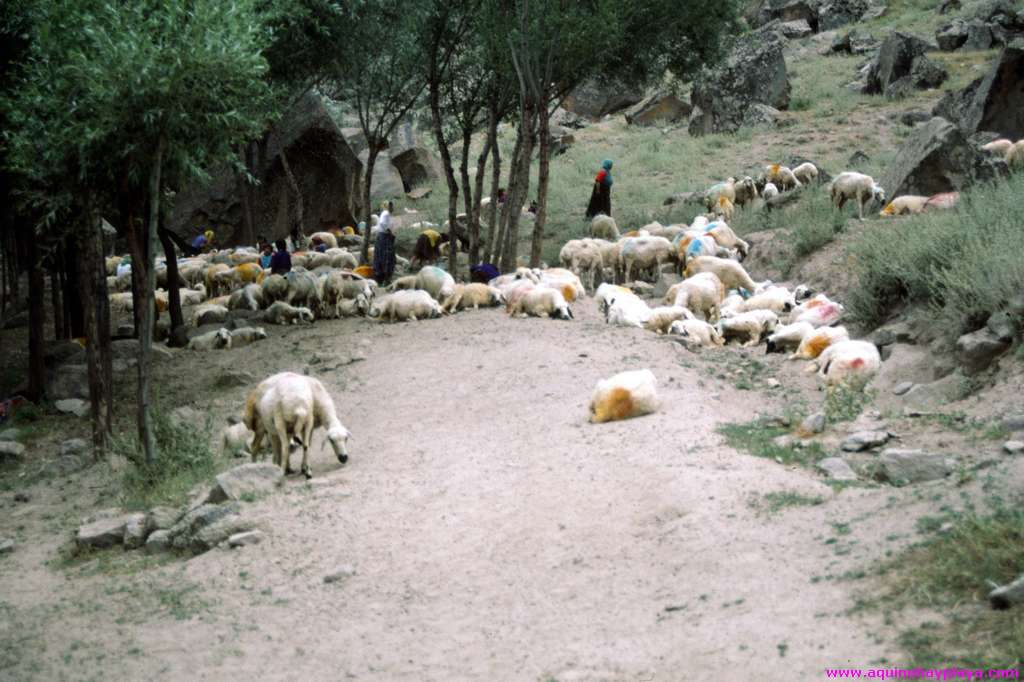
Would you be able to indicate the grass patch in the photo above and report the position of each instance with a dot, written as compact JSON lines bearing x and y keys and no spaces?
{"x":758,"y":438}
{"x":774,"y":502}
{"x":845,"y":401}
{"x":183,"y":459}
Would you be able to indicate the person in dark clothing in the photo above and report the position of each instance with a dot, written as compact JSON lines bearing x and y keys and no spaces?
{"x":281,"y":261}
{"x":601,"y":196}
{"x":483,"y":273}
{"x":384,"y":248}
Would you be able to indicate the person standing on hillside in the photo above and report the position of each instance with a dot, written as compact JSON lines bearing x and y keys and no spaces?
{"x":601,"y":196}
{"x":384,"y":247}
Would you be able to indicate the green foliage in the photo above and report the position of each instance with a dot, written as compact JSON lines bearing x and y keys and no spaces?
{"x":774,"y":502}
{"x":183,"y":459}
{"x":963,"y":264}
{"x":845,"y":401}
{"x":758,"y":438}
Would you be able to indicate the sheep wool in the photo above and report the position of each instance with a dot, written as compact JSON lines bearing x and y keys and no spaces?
{"x":623,"y":396}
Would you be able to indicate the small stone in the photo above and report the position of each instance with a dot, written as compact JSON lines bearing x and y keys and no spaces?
{"x":257,"y":478}
{"x":1008,"y":595}
{"x":252,"y":537}
{"x":75,"y":406}
{"x":1013,"y":447}
{"x":814,"y":423}
{"x":22,"y":497}
{"x":343,"y":573}
{"x":1013,"y":422}
{"x":903,"y":387}
{"x":106,"y":531}
{"x":8,"y":448}
{"x":900,"y":467}
{"x":135,"y":531}
{"x":186,"y":416}
{"x":162,"y":518}
{"x":772,"y":382}
{"x":864,"y":440}
{"x":783,"y":441}
{"x":158,"y":541}
{"x":218,"y":532}
{"x":234,"y":378}
{"x":836,"y":469}
{"x":6,"y":545}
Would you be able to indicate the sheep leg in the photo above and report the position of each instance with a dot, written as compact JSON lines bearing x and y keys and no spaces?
{"x":307,"y":438}
{"x":860,"y":206}
{"x":283,"y":442}
{"x":257,"y":443}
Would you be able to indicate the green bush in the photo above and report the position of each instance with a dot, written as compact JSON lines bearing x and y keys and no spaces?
{"x":963,"y":264}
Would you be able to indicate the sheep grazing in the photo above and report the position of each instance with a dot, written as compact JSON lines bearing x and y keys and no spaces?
{"x":697,"y":332}
{"x":584,"y":258}
{"x":998,"y":147}
{"x":781,"y":177}
{"x":411,"y":305}
{"x":604,"y":227}
{"x":715,"y":193}
{"x":353,"y":307}
{"x":732,"y":274}
{"x":436,"y":282}
{"x":303,"y":290}
{"x":623,"y":396}
{"x":806,"y":173}
{"x":661,"y":319}
{"x":770,"y":191}
{"x":236,"y":440}
{"x":725,"y":237}
{"x":645,"y":253}
{"x":724,"y":208}
{"x":280,"y":312}
{"x":275,"y":288}
{"x":788,"y":337}
{"x":287,"y":406}
{"x":337,"y":289}
{"x":472,"y":296}
{"x":213,"y":340}
{"x":853,"y":185}
{"x":329,"y":240}
{"x":215,"y":280}
{"x":815,"y":342}
{"x":249,"y":297}
{"x":907,"y":204}
{"x":850,"y":362}
{"x":246,"y":335}
{"x":541,"y":301}
{"x":627,"y":310}
{"x":750,"y":326}
{"x":209,"y":313}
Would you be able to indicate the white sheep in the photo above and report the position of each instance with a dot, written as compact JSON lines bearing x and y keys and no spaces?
{"x":607,"y":291}
{"x":907,"y":204}
{"x":413,"y":305}
{"x":625,"y":395}
{"x":697,"y":332}
{"x":564,"y":280}
{"x":815,"y":342}
{"x":770,"y":191}
{"x":849,"y":361}
{"x":1015,"y":154}
{"x":249,"y":297}
{"x":702,"y":294}
{"x":751,"y":326}
{"x":209,"y":313}
{"x":781,"y":177}
{"x":275,"y":288}
{"x":287,"y":406}
{"x":627,"y":311}
{"x":662,"y":318}
{"x":541,"y":301}
{"x":435,"y":281}
{"x":303,"y":290}
{"x":788,"y":337}
{"x":472,"y":296}
{"x":353,"y":307}
{"x":777,"y":299}
{"x":243,"y":336}
{"x":236,"y":440}
{"x":584,"y":258}
{"x":998,"y":147}
{"x":280,"y":312}
{"x":852,"y":185}
{"x":732,"y":274}
{"x":604,"y":227}
{"x":644,"y":253}
{"x":714,"y":193}
{"x":220,"y":338}
{"x":819,"y":311}
{"x":329,"y":240}
{"x":342,"y":259}
{"x":806,"y":173}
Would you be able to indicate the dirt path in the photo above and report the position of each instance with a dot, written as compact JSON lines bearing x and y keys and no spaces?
{"x":495,"y":534}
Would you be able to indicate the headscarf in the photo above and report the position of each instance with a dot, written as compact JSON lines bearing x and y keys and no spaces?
{"x":209,"y":235}
{"x":606,"y":165}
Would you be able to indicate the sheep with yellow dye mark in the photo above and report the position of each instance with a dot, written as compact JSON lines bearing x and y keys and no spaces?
{"x":908,"y":204}
{"x":815,"y":343}
{"x":781,"y":177}
{"x":623,"y":396}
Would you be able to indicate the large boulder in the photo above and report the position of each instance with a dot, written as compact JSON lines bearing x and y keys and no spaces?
{"x":895,"y":60}
{"x":417,"y":166}
{"x":977,"y":350}
{"x":996,"y":101}
{"x":951,"y":36}
{"x":792,"y":10}
{"x":594,"y":99}
{"x":935,"y":158}
{"x":255,"y":478}
{"x":795,"y":30}
{"x":753,"y":73}
{"x":661,"y":107}
{"x":900,"y":466}
{"x":835,"y":13}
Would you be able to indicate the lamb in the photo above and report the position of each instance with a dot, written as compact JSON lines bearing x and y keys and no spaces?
{"x":604,"y":227}
{"x":662,"y":318}
{"x":998,"y":147}
{"x":732,"y":274}
{"x":806,"y":173}
{"x":236,"y":440}
{"x":214,"y":280}
{"x":329,"y":240}
{"x":1015,"y":155}
{"x":646,"y":252}
{"x":287,"y":406}
{"x":751,"y":325}
{"x":849,"y":361}
{"x":788,"y":337}
{"x":697,"y":332}
{"x":814,"y":343}
{"x":405,"y":305}
{"x":436,"y":282}
{"x":770,"y":191}
{"x":623,"y":396}
{"x":540,"y":301}
{"x":243,"y":336}
{"x":209,"y":313}
{"x":781,"y":177}
{"x":853,"y":185}
{"x":906,"y":204}
{"x":777,"y":299}
{"x":702,"y":294}
{"x":249,"y":297}
{"x":472,"y":296}
{"x":353,"y":307}
{"x":284,"y":313}
{"x":627,"y":311}
{"x":213,"y":340}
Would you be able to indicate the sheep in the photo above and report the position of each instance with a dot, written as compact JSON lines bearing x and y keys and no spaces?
{"x":697,"y":331}
{"x":329,"y":240}
{"x":746,"y":191}
{"x":662,"y":318}
{"x":724,"y":208}
{"x":732,"y":274}
{"x":303,"y":290}
{"x":611,"y":258}
{"x":192,"y":273}
{"x":806,"y":173}
{"x":814,"y":343}
{"x":770,"y":191}
{"x":246,"y":273}
{"x":213,"y":279}
{"x":287,"y":406}
{"x":121,"y":302}
{"x":788,"y":337}
{"x":906,"y":204}
{"x":564,"y":280}
{"x":781,"y":177}
{"x":316,"y":260}
{"x":604,"y":227}
{"x":724,"y":236}
{"x":777,"y":299}
{"x":436,"y":282}
{"x":353,"y":307}
{"x":275,"y":288}
{"x":750,"y":325}
{"x":608,"y":291}
{"x":192,"y":296}
{"x":284,"y":313}
{"x":1015,"y":155}
{"x":702,"y":294}
{"x":342,"y":259}
{"x":819,"y":311}
{"x":645,"y":252}
{"x":625,"y":395}
{"x":405,"y":305}
{"x":853,"y":185}
{"x":627,"y":311}
{"x":243,"y":256}
{"x":236,"y":440}
{"x":849,"y":361}
{"x":472,"y":296}
{"x":539,"y":301}
{"x":942,"y":200}
{"x":249,"y":297}
{"x":583,"y":257}
{"x":690,"y":245}
{"x":243,"y":336}
{"x":221,"y":338}
{"x":515,"y":291}
{"x":111,"y":263}
{"x":715,"y":193}
{"x":998,"y":147}
{"x":209,"y":313}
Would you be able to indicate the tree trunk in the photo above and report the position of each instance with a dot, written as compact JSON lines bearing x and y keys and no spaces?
{"x":36,"y":319}
{"x":543,"y":173}
{"x":55,"y":299}
{"x":499,"y":242}
{"x":477,"y":194}
{"x":449,"y":174}
{"x":177,"y":337}
{"x":299,"y":226}
{"x":72,"y":292}
{"x":248,"y":198}
{"x":520,"y":189}
{"x":490,"y":248}
{"x":90,"y":273}
{"x":467,"y":195}
{"x":146,"y":436}
{"x":371,"y":161}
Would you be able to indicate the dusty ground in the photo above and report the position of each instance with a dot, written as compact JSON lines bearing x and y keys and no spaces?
{"x":494,"y":533}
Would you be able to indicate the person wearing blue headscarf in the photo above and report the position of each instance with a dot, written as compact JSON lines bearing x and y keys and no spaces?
{"x":601,"y":196}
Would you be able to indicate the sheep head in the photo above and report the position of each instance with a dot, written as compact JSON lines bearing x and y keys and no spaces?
{"x":878,"y":193}
{"x":223,"y":338}
{"x":338,"y":436}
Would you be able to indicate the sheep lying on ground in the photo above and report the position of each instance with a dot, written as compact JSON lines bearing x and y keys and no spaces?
{"x":329,"y":240}
{"x":849,"y":361}
{"x":608,"y":291}
{"x":249,"y":297}
{"x":907,"y":204}
{"x":564,"y":280}
{"x":625,"y":395}
{"x":998,"y":147}
{"x":852,"y":185}
{"x":209,"y":313}
{"x":942,"y":201}
{"x":781,"y":177}
{"x":213,"y":340}
{"x":697,"y":332}
{"x":662,"y":318}
{"x":436,"y":282}
{"x":750,"y":326}
{"x":541,"y":301}
{"x":413,"y":305}
{"x":287,"y":406}
{"x":806,"y":173}
{"x":246,"y":335}
{"x":604,"y":227}
{"x":819,"y":311}
{"x":702,"y":294}
{"x":283,"y":313}
{"x":788,"y":337}
{"x":815,"y":342}
{"x":627,"y":310}
{"x":472,"y":296}
{"x":732,"y":274}
{"x":776,"y":299}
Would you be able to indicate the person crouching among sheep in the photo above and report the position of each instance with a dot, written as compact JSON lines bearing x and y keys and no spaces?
{"x":601,"y":196}
{"x":384,"y":247}
{"x":427,"y":248}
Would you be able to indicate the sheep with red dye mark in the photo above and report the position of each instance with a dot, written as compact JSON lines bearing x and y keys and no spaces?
{"x":849,"y":362}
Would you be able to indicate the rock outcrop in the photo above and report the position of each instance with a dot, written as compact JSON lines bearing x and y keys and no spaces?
{"x":901,"y":64}
{"x":993,"y":103}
